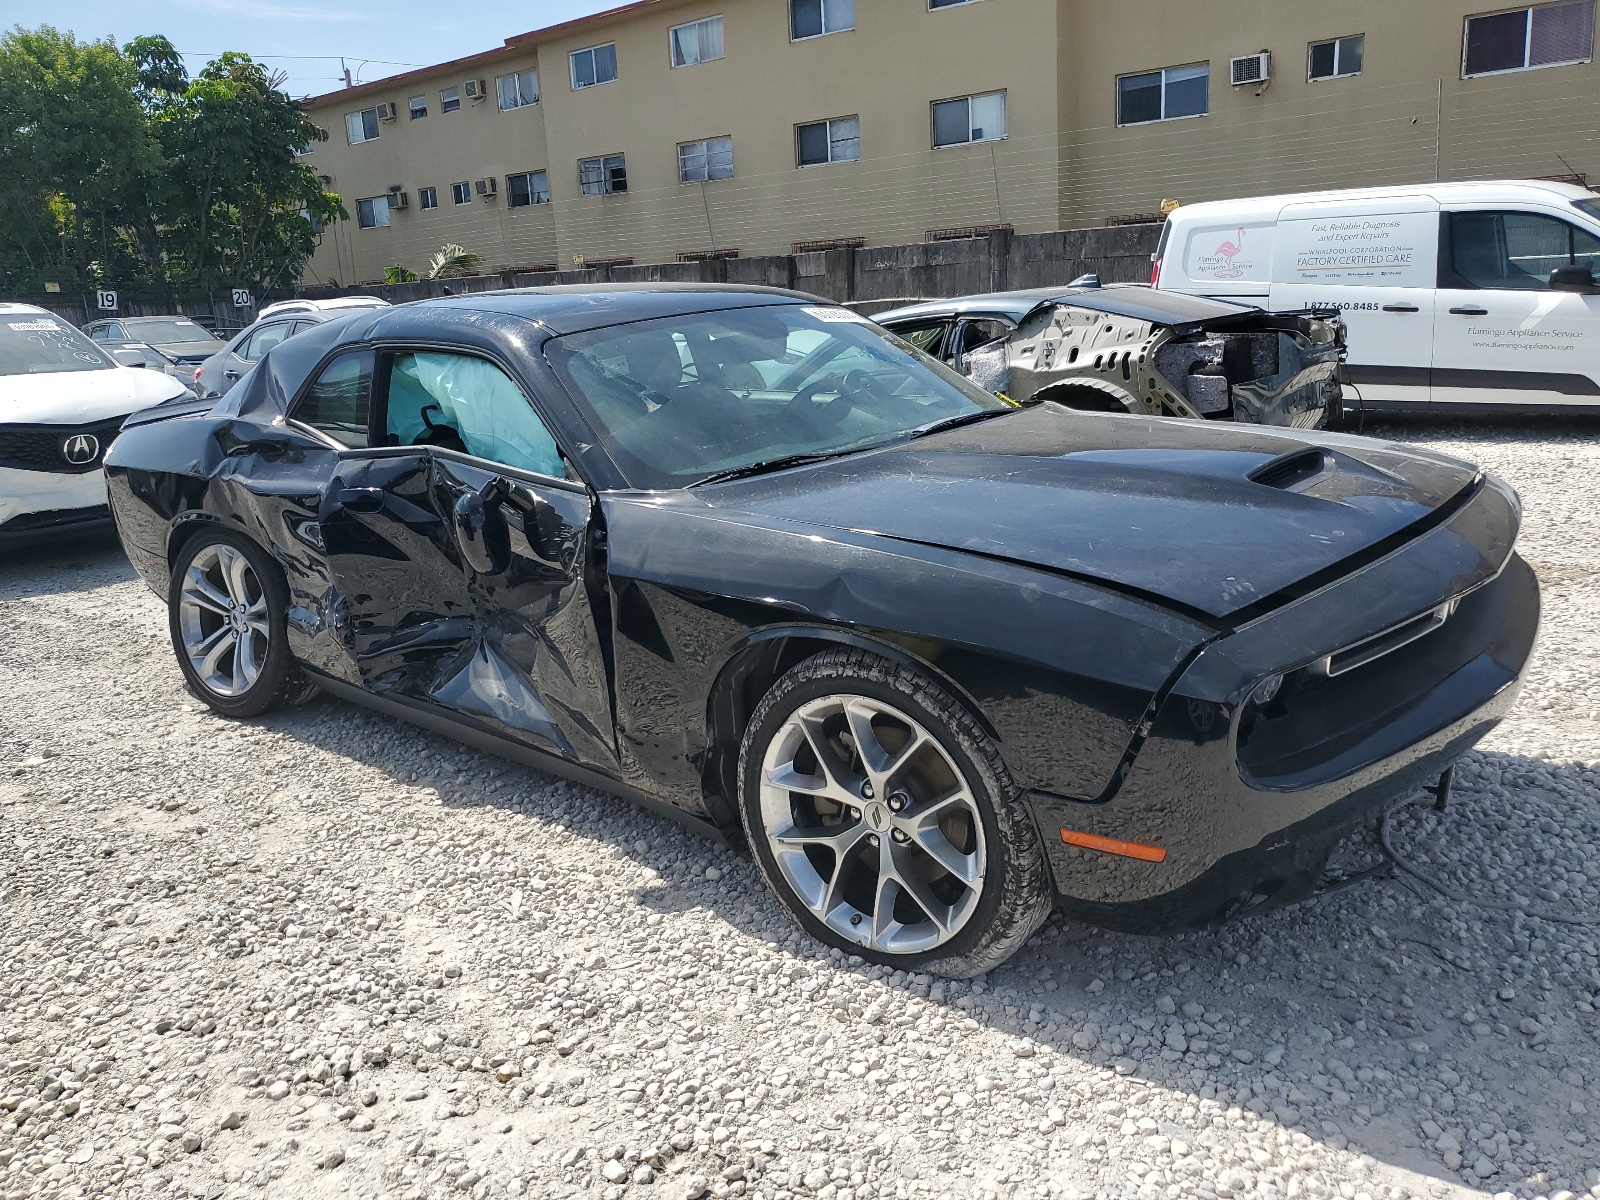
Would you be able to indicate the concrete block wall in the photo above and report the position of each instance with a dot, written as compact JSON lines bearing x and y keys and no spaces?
{"x":870,"y":278}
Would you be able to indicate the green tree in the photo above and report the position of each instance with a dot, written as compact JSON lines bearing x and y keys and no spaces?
{"x":119,"y":168}
{"x":453,"y":261}
{"x":75,"y":142}
{"x":240,"y":207}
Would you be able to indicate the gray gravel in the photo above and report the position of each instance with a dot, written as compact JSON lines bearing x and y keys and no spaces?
{"x":327,"y":954}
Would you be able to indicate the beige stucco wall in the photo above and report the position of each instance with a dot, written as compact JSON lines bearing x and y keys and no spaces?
{"x":1408,"y":116}
{"x":476,"y":141}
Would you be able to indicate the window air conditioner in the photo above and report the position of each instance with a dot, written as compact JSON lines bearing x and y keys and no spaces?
{"x":1251,"y":68}
{"x":399,"y":199}
{"x":485,"y":187}
{"x":326,"y":180}
{"x":386,"y":112}
{"x":476,"y":89}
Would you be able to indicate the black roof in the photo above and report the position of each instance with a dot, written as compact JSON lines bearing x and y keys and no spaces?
{"x":574,"y":308}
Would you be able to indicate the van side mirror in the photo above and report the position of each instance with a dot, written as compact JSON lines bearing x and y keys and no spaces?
{"x":128,"y":358}
{"x":1573,"y":277}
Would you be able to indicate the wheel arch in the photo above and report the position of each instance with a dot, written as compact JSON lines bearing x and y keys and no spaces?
{"x":748,"y":673}
{"x":1087,"y":395}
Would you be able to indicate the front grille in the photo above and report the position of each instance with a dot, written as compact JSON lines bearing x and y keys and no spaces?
{"x":54,"y":447}
{"x":1378,"y":696}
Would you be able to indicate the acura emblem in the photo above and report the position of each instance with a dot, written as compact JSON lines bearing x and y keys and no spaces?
{"x":81,"y":449}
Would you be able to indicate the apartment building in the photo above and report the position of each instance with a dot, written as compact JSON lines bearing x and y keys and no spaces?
{"x":679,"y":128}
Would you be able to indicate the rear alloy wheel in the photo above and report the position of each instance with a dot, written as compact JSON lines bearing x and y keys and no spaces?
{"x":226,"y":612}
{"x":870,"y":802}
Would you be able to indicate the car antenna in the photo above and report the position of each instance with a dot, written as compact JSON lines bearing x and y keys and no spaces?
{"x":1090,"y":280}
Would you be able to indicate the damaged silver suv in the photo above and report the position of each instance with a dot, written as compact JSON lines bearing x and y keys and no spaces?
{"x":1129,"y":348}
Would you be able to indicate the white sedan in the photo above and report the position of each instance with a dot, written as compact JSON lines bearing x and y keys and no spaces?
{"x":62,"y":401}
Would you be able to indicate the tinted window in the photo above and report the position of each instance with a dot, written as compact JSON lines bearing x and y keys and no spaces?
{"x":680,"y":398}
{"x":340,"y":402}
{"x":923,"y":337}
{"x":1514,"y":250}
{"x":264,"y":339}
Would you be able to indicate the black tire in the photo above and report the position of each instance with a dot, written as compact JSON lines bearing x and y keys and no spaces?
{"x":1016,"y":896}
{"x":279,"y":681}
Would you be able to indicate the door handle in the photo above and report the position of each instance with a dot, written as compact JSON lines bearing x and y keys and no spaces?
{"x":1400,"y":308}
{"x":230,"y":374}
{"x":1470,"y":312}
{"x":361,"y":500}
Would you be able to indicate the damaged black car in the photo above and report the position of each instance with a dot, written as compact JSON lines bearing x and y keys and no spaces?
{"x":744,"y":558}
{"x":1130,"y":348}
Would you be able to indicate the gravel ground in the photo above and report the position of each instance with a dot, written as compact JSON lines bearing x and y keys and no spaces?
{"x":327,"y":954}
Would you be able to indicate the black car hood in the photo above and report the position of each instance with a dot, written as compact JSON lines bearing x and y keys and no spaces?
{"x":1216,"y":520}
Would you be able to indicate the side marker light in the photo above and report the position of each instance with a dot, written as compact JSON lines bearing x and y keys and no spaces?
{"x":1091,"y":841}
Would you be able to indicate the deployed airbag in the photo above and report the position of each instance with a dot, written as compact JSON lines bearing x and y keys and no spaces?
{"x":475,"y":398}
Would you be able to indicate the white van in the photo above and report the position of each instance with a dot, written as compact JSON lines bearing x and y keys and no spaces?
{"x":1454,"y":294}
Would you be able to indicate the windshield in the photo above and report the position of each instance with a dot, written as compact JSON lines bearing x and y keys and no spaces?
{"x":167,"y":329}
{"x":1590,"y":207}
{"x":681,"y":398}
{"x":38,"y":343}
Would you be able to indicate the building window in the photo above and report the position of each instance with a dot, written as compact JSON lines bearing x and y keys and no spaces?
{"x":1545,"y":35}
{"x":530,"y":187}
{"x":947,"y":3}
{"x":603,"y":176}
{"x":461,"y":193}
{"x":835,"y":141}
{"x":696,"y":42}
{"x":596,"y":65}
{"x":361,"y":126}
{"x":1164,"y":95}
{"x":813,"y":18}
{"x":427,"y":198}
{"x":969,"y":119}
{"x":418,"y":106}
{"x":518,"y":90}
{"x":710,"y":159}
{"x":1335,"y":59}
{"x":449,"y":100}
{"x":373,"y":213}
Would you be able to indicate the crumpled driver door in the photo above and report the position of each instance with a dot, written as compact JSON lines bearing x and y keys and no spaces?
{"x":401,"y":605}
{"x":538,"y":666}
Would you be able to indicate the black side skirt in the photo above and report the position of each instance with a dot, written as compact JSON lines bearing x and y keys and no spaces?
{"x":491,"y":743}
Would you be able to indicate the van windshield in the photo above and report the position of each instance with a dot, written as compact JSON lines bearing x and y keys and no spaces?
{"x":1590,"y":207}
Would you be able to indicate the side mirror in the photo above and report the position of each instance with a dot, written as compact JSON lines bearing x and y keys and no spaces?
{"x":128,"y":358}
{"x":1574,"y":277}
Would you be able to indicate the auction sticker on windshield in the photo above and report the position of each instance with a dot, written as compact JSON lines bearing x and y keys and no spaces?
{"x":832,"y":313}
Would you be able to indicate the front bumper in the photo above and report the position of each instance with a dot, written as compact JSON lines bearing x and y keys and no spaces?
{"x":1248,"y":811}
{"x":36,"y":505}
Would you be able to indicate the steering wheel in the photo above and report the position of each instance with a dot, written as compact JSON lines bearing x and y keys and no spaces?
{"x":853,"y":384}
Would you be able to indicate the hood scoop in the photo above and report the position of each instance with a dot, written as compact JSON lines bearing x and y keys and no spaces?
{"x":1289,"y":471}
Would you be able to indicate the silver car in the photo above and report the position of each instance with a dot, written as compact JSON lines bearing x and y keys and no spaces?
{"x":281,"y":321}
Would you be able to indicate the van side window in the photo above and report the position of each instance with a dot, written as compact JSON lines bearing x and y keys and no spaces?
{"x":1514,"y":251}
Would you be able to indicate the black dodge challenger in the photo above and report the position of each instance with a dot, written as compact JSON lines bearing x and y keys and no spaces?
{"x":745,"y":557}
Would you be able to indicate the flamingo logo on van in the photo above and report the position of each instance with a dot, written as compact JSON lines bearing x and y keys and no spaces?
{"x":1220,"y":261}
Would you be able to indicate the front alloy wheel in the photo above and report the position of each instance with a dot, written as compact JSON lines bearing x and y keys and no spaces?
{"x":872,"y":824}
{"x":884,"y":819}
